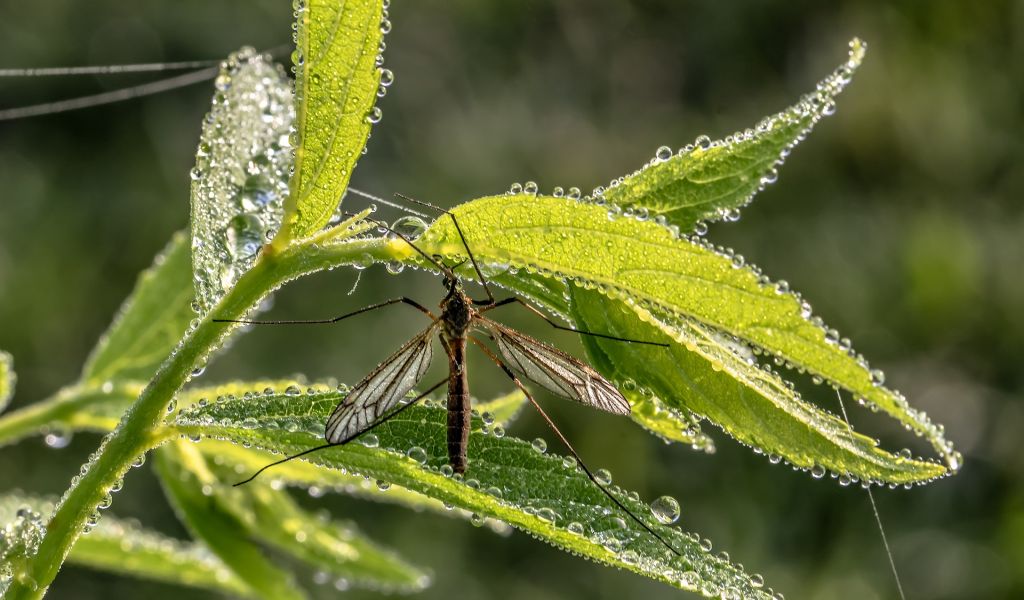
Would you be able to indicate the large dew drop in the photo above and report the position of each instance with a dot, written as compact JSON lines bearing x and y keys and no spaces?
{"x":241,"y":175}
{"x":666,"y":509}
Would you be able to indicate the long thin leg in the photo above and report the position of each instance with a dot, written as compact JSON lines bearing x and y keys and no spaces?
{"x":402,"y":300}
{"x":566,"y":443}
{"x":472,"y":259}
{"x":386,"y":418}
{"x":522,"y":302}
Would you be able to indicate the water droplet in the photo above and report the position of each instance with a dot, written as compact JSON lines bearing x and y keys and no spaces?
{"x":375,"y":115}
{"x":703,"y":142}
{"x":58,"y":438}
{"x":244,"y":236}
{"x":383,"y":485}
{"x":877,"y":377}
{"x":576,"y":528}
{"x":530,"y":188}
{"x":417,"y":454}
{"x":409,"y":226}
{"x":603,"y":477}
{"x":664,"y":153}
{"x":292,"y":390}
{"x":540,"y":445}
{"x":370,"y":440}
{"x":172,"y":405}
{"x":666,"y":509}
{"x":817,"y":471}
{"x":386,"y":77}
{"x":476,"y":520}
{"x":569,"y":462}
{"x":394,"y":267}
{"x":574,"y":193}
{"x":447,"y":470}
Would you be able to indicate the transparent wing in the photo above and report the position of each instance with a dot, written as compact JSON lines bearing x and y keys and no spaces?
{"x":379,"y":391}
{"x":555,"y":370}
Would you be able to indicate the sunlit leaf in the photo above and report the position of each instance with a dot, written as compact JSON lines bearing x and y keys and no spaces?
{"x":507,"y":479}
{"x":150,"y":322}
{"x":189,"y":483}
{"x":644,"y":267}
{"x":123,"y":547}
{"x":8,"y":379}
{"x":710,"y":181}
{"x":334,"y":549}
{"x":319,"y":480}
{"x":704,"y":372}
{"x":671,"y":423}
{"x":337,"y":78}
{"x":240,"y":179}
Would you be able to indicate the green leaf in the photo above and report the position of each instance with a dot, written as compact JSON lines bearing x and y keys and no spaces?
{"x":710,"y":181}
{"x":123,"y":547}
{"x":318,"y":480}
{"x":503,"y":409}
{"x":241,"y":175}
{"x":188,"y":483}
{"x":508,"y":479}
{"x":643,"y":266}
{"x":705,"y":373}
{"x":8,"y":379}
{"x":330,"y":547}
{"x":337,"y":60}
{"x":150,"y":322}
{"x":670,"y":423}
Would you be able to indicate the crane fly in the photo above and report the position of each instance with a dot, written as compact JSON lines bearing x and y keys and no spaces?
{"x":378,"y":397}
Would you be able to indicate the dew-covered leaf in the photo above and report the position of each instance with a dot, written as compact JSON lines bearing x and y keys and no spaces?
{"x":674,"y":424}
{"x":318,"y":480}
{"x":8,"y":378}
{"x":704,"y":372}
{"x":337,"y":76}
{"x":188,"y":483}
{"x":507,"y":479}
{"x":240,"y":179}
{"x":150,"y":322}
{"x":642,"y":265}
{"x":124,"y":547}
{"x":709,"y":181}
{"x":335,"y":550}
{"x":502,"y":410}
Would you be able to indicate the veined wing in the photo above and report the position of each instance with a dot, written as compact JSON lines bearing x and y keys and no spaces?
{"x":555,"y":370}
{"x":379,"y":391}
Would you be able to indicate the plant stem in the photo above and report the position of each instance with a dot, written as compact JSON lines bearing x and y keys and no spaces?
{"x":135,"y":434}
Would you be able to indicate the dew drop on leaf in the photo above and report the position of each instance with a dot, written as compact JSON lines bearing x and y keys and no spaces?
{"x":665,"y":509}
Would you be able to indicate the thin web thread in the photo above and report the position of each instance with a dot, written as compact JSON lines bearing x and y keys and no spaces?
{"x":369,"y":196}
{"x":106,"y":69}
{"x":878,"y":518}
{"x":136,"y":91}
{"x":119,"y":95}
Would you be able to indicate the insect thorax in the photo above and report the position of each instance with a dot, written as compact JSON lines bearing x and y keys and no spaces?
{"x":456,"y":313}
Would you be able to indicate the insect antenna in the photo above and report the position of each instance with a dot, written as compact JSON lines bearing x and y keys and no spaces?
{"x":472,"y":259}
{"x":433,"y":260}
{"x":565,"y":442}
{"x":386,"y":418}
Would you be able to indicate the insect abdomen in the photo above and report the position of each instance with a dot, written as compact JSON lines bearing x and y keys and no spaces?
{"x":458,"y":407}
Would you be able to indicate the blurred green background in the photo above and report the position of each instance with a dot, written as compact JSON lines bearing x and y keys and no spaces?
{"x":899,"y":219}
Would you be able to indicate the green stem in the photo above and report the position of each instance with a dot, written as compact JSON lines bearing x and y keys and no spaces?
{"x":137,"y":432}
